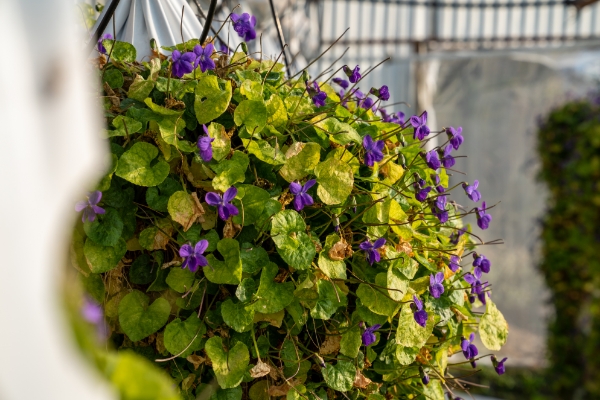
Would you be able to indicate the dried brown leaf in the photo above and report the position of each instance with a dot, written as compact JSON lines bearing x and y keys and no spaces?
{"x":404,"y":247}
{"x":340,"y":250}
{"x":283,"y":389}
{"x":331,"y":345}
{"x":196,"y":360}
{"x":230,"y":230}
{"x":260,"y":369}
{"x":361,"y":381}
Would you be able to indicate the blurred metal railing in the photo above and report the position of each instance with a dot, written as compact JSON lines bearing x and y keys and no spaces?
{"x":458,"y":24}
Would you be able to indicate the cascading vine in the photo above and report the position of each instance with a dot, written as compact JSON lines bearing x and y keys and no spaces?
{"x":277,"y":235}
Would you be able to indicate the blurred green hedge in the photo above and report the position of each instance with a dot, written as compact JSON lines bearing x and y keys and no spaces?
{"x":569,"y":148}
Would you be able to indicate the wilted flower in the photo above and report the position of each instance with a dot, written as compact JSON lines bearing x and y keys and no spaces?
{"x":302,"y":198}
{"x":244,"y":26}
{"x":342,"y":82}
{"x":435,"y":284}
{"x":90,"y":206}
{"x":483,"y":219}
{"x":471,"y":191}
{"x":420,"y":314}
{"x":419,"y":124}
{"x":455,"y":236}
{"x":499,"y":365}
{"x":373,"y":150}
{"x":192,"y":256}
{"x":205,"y":145}
{"x":373,"y":255}
{"x":182,"y":63}
{"x":203,"y":57}
{"x":106,"y":36}
{"x":223,"y":204}
{"x":352,"y":74}
{"x":368,"y":336}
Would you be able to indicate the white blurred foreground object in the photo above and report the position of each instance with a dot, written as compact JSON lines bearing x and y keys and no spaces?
{"x":51,"y":154}
{"x":139,"y":21}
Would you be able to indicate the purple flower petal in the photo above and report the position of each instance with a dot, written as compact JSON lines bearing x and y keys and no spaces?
{"x":201,"y":246}
{"x":186,"y":250}
{"x":230,"y":194}
{"x":295,"y":188}
{"x":95,"y":197}
{"x":212,"y":199}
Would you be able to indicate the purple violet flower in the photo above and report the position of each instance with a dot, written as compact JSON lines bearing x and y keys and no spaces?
{"x":382,"y":93}
{"x":455,"y":135}
{"x":468,"y":348}
{"x":223,"y":204}
{"x":342,"y":82}
{"x":223,"y":48}
{"x":419,"y":124}
{"x":205,"y":145}
{"x":192,"y":256}
{"x":471,"y":191}
{"x":314,"y":91}
{"x":421,"y":195}
{"x":432,"y":160}
{"x":106,"y":36}
{"x":499,"y":365}
{"x":90,"y":206}
{"x":352,"y":74}
{"x":368,"y":336}
{"x":367,"y":103}
{"x":302,"y":198}
{"x":455,"y":236}
{"x":244,"y":26}
{"x":203,"y":57}
{"x":182,"y":63}
{"x":440,"y":202}
{"x":373,"y":255}
{"x":442,"y":215}
{"x":92,"y":311}
{"x":483,"y":292}
{"x":483,"y":219}
{"x":439,"y":188}
{"x":435,"y":284}
{"x":447,"y":160}
{"x":481,"y":264}
{"x":454,"y":263}
{"x":420,"y":314}
{"x":424,"y":376}
{"x":373,"y":150}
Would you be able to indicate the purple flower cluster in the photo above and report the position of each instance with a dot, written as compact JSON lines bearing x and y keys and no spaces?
{"x":314,"y":91}
{"x":373,"y":150}
{"x":420,"y":314}
{"x":368,"y":336}
{"x":352,"y":74}
{"x":469,"y":349}
{"x":90,"y":206}
{"x":436,"y":288}
{"x":193,"y":256}
{"x":244,"y":25}
{"x":420,"y":126}
{"x":302,"y":198}
{"x":223,"y":204}
{"x":477,"y":287}
{"x":205,"y":145}
{"x":186,"y":62}
{"x":373,"y":255}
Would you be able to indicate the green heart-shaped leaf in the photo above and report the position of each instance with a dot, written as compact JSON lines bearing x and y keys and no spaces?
{"x":106,"y":229}
{"x":137,"y":319}
{"x":228,"y":271}
{"x":340,"y":376}
{"x":237,"y":315}
{"x":493,"y":328}
{"x":301,"y":160}
{"x":180,"y":335}
{"x":211,"y":101}
{"x":138,"y":167}
{"x":230,"y":172}
{"x":252,"y":114}
{"x":272,"y":296}
{"x":103,"y":258}
{"x":229,"y":366}
{"x":335,"y":179}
